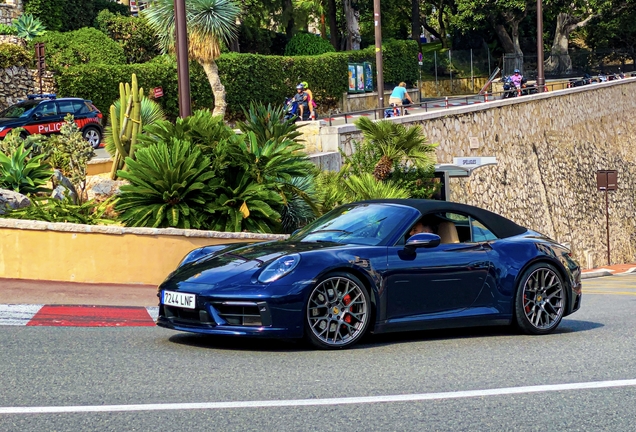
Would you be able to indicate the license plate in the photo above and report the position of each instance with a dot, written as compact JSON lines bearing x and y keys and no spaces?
{"x":182,"y":300}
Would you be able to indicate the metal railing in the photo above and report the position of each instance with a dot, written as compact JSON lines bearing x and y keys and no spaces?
{"x":454,"y":101}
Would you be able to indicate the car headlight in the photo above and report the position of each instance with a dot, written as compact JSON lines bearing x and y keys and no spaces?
{"x":279,"y":268}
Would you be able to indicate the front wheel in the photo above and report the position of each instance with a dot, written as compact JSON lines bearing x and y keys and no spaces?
{"x":540,"y":300}
{"x":338,"y":312}
{"x":93,"y":136}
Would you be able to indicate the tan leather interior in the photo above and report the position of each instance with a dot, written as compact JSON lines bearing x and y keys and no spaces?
{"x":447,"y":232}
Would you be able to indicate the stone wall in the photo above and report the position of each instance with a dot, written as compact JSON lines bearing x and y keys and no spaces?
{"x":10,"y":10}
{"x":549,"y":147}
{"x":17,"y":82}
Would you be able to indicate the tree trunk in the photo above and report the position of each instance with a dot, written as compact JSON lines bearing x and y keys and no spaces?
{"x":352,"y":16}
{"x":559,"y":60}
{"x":333,"y":23}
{"x":515,"y":37}
{"x":442,"y":25}
{"x":415,"y":20}
{"x":323,"y":27}
{"x":288,"y":18}
{"x":218,"y":89}
{"x":504,"y":38}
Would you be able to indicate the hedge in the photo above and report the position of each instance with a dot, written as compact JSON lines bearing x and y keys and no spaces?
{"x":14,"y":55}
{"x":87,"y":45}
{"x":308,"y":44}
{"x":100,"y":83}
{"x":247,"y":77}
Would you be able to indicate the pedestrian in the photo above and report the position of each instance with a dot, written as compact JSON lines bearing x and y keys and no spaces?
{"x":399,"y":95}
{"x":310,"y":100}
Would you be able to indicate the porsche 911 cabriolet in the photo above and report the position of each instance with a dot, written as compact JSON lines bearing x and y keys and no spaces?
{"x":364,"y":267}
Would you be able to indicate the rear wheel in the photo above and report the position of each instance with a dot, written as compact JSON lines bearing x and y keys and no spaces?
{"x":540,"y":301}
{"x":93,"y":136}
{"x":338,"y":312}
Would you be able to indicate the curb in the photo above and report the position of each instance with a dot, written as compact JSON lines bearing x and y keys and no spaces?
{"x":596,"y":273}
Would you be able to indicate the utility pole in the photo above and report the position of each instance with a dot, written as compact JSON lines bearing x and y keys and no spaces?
{"x":378,"y":52}
{"x":540,"y":73}
{"x":183,"y":67}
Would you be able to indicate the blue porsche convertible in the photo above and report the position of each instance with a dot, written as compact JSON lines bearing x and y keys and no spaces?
{"x":378,"y":266}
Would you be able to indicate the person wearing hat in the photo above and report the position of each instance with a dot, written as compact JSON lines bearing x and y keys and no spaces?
{"x":311,"y":103}
{"x":516,"y":78}
{"x":301,"y":98}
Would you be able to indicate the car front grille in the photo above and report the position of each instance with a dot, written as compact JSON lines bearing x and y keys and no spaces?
{"x":232,"y":313}
{"x":239,"y":313}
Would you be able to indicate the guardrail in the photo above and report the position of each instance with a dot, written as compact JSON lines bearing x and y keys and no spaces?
{"x":450,"y":102}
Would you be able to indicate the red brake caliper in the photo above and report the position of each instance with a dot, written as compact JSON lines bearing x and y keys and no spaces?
{"x":346,"y":300}
{"x":525,"y":300}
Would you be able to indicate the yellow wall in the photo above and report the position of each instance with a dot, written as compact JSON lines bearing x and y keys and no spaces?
{"x":94,"y":257}
{"x":101,"y":167}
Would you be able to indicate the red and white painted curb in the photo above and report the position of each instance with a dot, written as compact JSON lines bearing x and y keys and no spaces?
{"x":77,"y":316}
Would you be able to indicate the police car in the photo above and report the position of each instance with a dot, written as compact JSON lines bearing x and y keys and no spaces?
{"x":44,"y":114}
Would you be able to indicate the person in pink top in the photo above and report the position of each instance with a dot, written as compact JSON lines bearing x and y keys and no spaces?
{"x":516,"y":78}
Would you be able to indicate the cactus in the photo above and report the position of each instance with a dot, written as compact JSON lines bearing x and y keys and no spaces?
{"x":128,"y":125}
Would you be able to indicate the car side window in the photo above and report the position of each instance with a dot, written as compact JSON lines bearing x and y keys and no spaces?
{"x":46,"y":109}
{"x":480,"y":233}
{"x":66,"y":107}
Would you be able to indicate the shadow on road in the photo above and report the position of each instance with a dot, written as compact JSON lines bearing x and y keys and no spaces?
{"x":370,"y":340}
{"x":239,"y":343}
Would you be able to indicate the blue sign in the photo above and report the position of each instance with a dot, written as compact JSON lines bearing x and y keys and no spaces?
{"x":419,"y":57}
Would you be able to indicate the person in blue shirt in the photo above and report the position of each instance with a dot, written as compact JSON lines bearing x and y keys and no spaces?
{"x":399,"y":94}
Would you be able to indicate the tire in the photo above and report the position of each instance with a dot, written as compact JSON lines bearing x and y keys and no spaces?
{"x":338,"y":312}
{"x":24,"y":135}
{"x":540,"y":300}
{"x":93,"y":136}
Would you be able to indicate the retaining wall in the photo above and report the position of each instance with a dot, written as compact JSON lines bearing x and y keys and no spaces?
{"x":101,"y":253}
{"x":18,"y":82}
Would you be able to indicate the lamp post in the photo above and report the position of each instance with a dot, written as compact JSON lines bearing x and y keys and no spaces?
{"x":540,"y":73}
{"x":183,"y":67}
{"x":378,"y":52}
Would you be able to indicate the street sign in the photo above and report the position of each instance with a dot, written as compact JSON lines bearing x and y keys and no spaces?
{"x":471,"y":162}
{"x":419,"y":57}
{"x":158,"y":92}
{"x":606,"y":179}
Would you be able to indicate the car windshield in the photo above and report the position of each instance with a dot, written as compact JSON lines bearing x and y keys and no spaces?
{"x":21,"y":110}
{"x":364,"y":224}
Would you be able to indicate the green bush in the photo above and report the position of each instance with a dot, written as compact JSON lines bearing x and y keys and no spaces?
{"x":50,"y":12}
{"x":100,"y":83}
{"x":170,"y":186}
{"x":135,"y":36}
{"x":8,"y":30}
{"x":64,"y":210}
{"x":84,"y":46}
{"x":307,"y":44}
{"x":24,"y":174}
{"x":261,"y":41}
{"x":14,"y":55}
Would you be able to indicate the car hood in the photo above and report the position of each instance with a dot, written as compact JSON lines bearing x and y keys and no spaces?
{"x":11,"y":122}
{"x":235,"y":265}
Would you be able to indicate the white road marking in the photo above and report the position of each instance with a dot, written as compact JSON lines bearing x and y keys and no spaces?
{"x":153,"y":311}
{"x":17,"y":315}
{"x":319,"y":402}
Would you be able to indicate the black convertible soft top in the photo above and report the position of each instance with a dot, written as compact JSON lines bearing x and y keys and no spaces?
{"x":499,"y":225}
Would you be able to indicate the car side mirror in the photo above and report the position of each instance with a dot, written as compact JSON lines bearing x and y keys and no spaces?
{"x":37,"y":116}
{"x":423,"y":240}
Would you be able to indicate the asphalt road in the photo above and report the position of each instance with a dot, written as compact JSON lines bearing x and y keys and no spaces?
{"x":75,"y":368}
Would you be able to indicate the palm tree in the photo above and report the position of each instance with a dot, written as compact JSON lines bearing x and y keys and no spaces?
{"x":396,"y":143}
{"x":210,"y":23}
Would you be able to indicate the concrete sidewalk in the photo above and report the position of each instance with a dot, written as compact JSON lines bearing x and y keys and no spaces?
{"x":23,"y":291}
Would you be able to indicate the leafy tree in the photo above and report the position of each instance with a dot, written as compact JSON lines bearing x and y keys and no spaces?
{"x":210,"y":23}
